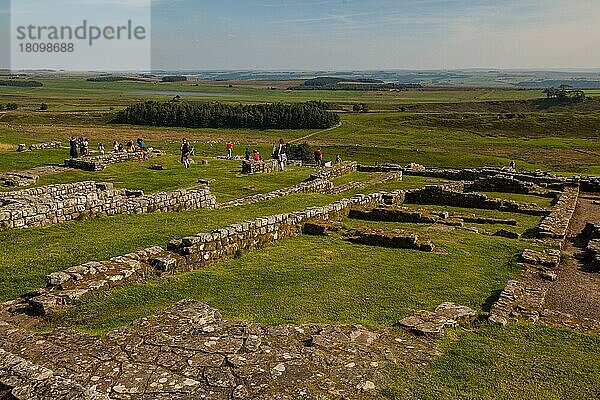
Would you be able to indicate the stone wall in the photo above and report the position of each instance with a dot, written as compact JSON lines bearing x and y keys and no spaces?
{"x":55,"y":204}
{"x":440,"y":195}
{"x":555,"y":225}
{"x":45,"y":146}
{"x":590,"y":184}
{"x":260,"y":167}
{"x":316,"y":186}
{"x":98,"y":163}
{"x":255,"y":234}
{"x":500,"y":183}
{"x":334,"y":171}
{"x":381,"y":178}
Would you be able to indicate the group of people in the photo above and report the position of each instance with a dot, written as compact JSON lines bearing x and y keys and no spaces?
{"x":279,"y":153}
{"x":80,"y":147}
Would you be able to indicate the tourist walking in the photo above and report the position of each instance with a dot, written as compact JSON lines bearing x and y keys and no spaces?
{"x":73,"y":147}
{"x":318,"y":157}
{"x":247,"y":154}
{"x":281,"y":154}
{"x":229,"y":149}
{"x":100,"y":149}
{"x":185,"y":152}
{"x":256,"y":155}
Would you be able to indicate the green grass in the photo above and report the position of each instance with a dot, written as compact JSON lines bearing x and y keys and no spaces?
{"x":229,"y":182}
{"x":516,"y":362}
{"x":321,"y":280}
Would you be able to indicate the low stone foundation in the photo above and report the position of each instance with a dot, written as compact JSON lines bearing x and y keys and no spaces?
{"x":315,"y":186}
{"x":190,"y":352}
{"x":394,"y":239}
{"x":500,"y":183}
{"x":446,"y":315}
{"x":334,"y":171}
{"x":55,"y":204}
{"x":555,"y":225}
{"x":440,"y":195}
{"x":260,"y":167}
{"x":518,"y":300}
{"x":98,"y":163}
{"x":45,"y":146}
{"x":591,"y":235}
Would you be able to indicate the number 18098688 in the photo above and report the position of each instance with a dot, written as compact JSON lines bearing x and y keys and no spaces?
{"x":46,"y":47}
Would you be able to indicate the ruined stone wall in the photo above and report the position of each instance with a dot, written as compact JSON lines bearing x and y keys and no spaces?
{"x":45,"y":146}
{"x":98,"y":163}
{"x":500,"y":183}
{"x":63,"y":189}
{"x":440,"y":195}
{"x":60,"y":203}
{"x":316,"y":186}
{"x":555,"y":225}
{"x":334,"y":171}
{"x":255,"y":234}
{"x":260,"y":167}
{"x":590,"y":184}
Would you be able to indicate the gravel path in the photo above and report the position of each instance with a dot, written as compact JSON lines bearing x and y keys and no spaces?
{"x":577,"y":291}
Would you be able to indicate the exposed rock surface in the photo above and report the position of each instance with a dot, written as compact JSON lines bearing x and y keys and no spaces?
{"x":189,"y":351}
{"x":446,"y":315}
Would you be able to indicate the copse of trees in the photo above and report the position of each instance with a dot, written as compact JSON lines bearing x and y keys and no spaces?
{"x":19,"y":83}
{"x":174,"y":78}
{"x":219,"y":115}
{"x":564,"y":93}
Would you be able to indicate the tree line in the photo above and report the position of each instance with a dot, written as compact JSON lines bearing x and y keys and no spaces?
{"x":310,"y":115}
{"x":18,"y":83}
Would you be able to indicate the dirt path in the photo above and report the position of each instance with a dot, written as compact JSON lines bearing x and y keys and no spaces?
{"x":577,"y":290}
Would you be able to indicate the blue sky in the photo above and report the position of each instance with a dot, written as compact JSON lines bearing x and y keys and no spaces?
{"x":373,"y":34}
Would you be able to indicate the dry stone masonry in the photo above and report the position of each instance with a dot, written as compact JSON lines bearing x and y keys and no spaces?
{"x":191,"y":352}
{"x":55,"y":204}
{"x":38,"y":146}
{"x":260,"y":167}
{"x":555,"y":225}
{"x":443,"y":196}
{"x":315,"y":186}
{"x":591,"y":235}
{"x":260,"y":232}
{"x":98,"y":163}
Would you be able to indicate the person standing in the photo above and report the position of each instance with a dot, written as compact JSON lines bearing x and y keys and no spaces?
{"x":73,"y":147}
{"x":229,"y":149}
{"x":247,"y":154}
{"x":100,"y":149}
{"x":281,"y":154}
{"x":185,"y":152}
{"x":318,"y":157}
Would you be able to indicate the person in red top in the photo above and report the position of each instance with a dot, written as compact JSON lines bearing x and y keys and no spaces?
{"x":318,"y":157}
{"x":229,"y":149}
{"x":256,"y":155}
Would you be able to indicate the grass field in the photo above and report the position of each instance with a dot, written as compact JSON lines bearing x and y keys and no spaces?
{"x":319,"y":280}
